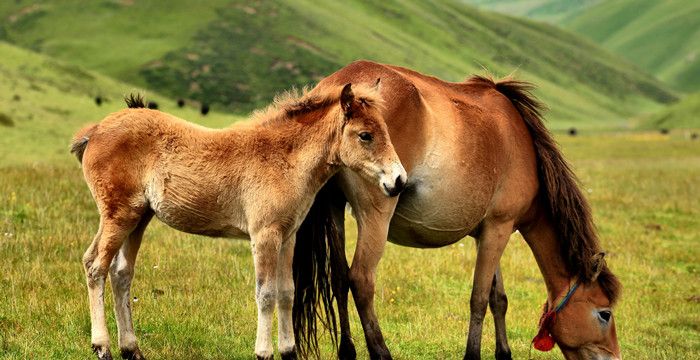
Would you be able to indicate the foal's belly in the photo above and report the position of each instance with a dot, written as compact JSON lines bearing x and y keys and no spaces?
{"x":442,"y":204}
{"x":194,"y":208}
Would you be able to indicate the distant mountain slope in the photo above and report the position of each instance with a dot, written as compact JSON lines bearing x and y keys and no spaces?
{"x":552,"y":11}
{"x":662,"y":37}
{"x":240,"y":53}
{"x":684,"y":114}
{"x":43,"y":102}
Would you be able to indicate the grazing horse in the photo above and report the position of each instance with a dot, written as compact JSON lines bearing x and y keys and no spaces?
{"x":480,"y":163}
{"x":255,"y":179}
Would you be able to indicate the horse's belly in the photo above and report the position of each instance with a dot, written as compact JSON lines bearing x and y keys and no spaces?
{"x":437,"y":209}
{"x":186,"y":207}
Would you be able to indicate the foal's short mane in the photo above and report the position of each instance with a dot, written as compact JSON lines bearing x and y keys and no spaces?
{"x":294,"y":103}
{"x":560,"y":193}
{"x":134,"y":101}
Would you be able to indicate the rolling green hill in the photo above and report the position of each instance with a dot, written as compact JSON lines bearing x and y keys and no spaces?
{"x":239,"y":54}
{"x":44,"y":101}
{"x":684,"y":114}
{"x":552,"y":11}
{"x":661,"y":37}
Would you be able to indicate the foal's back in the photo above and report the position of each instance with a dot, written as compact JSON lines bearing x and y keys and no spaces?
{"x":157,"y":162}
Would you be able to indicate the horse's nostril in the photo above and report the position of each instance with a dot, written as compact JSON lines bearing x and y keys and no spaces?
{"x":399,"y":184}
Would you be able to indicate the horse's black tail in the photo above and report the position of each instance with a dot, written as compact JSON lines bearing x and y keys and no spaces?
{"x":316,"y":246}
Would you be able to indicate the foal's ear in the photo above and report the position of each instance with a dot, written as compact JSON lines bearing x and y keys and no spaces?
{"x":598,"y":261}
{"x":346,"y":100}
{"x":378,"y":85}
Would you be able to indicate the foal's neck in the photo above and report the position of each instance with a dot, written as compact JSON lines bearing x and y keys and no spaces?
{"x":308,"y":142}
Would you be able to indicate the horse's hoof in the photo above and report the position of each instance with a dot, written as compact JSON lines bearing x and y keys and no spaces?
{"x":102,"y":352}
{"x":292,"y":355}
{"x":134,"y":354}
{"x":503,"y":355}
{"x":346,"y":350}
{"x":260,"y":357}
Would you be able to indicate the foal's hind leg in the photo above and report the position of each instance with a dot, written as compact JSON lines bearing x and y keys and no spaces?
{"x":498,"y":302}
{"x":121,"y":274}
{"x":96,"y":261}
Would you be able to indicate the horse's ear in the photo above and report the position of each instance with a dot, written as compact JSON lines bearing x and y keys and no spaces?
{"x":346,"y":100}
{"x":598,"y":262}
{"x":378,"y":85}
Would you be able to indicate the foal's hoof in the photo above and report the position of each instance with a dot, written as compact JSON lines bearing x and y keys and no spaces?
{"x":134,"y":354}
{"x":260,"y":357}
{"x":102,"y":352}
{"x":292,"y":355}
{"x":346,"y":350}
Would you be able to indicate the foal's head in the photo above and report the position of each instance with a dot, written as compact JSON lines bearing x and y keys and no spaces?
{"x":364,"y":145}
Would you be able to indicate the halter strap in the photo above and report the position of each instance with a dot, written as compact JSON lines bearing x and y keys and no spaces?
{"x":544,"y":341}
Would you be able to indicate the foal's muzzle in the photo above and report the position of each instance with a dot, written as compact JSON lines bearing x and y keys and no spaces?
{"x":394,"y":181}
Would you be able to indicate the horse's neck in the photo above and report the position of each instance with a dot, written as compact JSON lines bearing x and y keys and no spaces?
{"x":542,"y":238}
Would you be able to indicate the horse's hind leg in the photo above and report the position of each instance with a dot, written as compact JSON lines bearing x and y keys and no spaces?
{"x":491,"y":242}
{"x":341,"y":286}
{"x":121,"y":274}
{"x":498,"y":302}
{"x":114,"y":229}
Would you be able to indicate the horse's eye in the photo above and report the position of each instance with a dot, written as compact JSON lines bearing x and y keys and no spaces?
{"x":365,"y":136}
{"x":605,"y":316}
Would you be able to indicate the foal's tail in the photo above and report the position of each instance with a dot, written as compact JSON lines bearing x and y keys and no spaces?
{"x":80,"y":141}
{"x":316,"y":247}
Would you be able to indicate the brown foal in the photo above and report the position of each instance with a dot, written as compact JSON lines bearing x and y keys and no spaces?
{"x":254,"y":180}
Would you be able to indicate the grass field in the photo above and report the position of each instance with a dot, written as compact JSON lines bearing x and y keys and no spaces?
{"x":195,"y":294}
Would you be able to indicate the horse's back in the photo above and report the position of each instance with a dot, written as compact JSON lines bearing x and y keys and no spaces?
{"x":467,"y":150}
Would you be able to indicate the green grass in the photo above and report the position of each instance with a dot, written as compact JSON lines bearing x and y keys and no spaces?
{"x":47,"y":101}
{"x":195,"y":294}
{"x":239,"y":54}
{"x":684,"y":114}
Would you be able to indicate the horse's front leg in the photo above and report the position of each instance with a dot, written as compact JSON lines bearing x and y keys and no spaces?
{"x":491,"y":242}
{"x":285,"y":300}
{"x":373,"y":211}
{"x":266,"y":246}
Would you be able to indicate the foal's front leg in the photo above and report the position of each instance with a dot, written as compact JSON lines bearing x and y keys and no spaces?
{"x":285,"y":300}
{"x":266,"y":246}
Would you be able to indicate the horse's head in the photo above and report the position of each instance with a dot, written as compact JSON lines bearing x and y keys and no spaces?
{"x":584,"y":324}
{"x":364,"y":145}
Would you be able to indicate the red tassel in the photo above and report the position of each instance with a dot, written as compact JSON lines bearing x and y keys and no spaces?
{"x":544,"y":341}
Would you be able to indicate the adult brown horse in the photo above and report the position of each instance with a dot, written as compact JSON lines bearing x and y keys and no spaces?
{"x":480,"y":163}
{"x":255,"y":179}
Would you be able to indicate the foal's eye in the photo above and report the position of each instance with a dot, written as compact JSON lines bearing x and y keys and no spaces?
{"x":604,"y":316}
{"x":365,"y":136}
